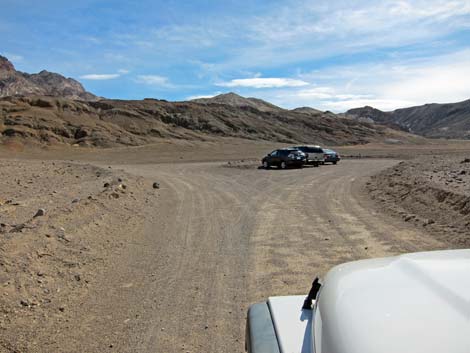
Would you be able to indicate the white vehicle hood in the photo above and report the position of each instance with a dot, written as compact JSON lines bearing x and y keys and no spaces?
{"x":415,"y":303}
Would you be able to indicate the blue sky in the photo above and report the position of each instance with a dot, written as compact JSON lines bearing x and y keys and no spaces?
{"x":331,"y":55}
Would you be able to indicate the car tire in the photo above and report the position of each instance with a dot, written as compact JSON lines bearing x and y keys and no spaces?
{"x":283,"y":165}
{"x":335,"y":162}
{"x":266,"y":165}
{"x":316,"y":164}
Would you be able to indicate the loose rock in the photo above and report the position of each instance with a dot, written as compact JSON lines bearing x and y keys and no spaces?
{"x":41,"y":212}
{"x":156,"y":185}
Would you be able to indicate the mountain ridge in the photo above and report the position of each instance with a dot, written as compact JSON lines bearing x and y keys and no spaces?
{"x":433,"y":120}
{"x":17,"y":83}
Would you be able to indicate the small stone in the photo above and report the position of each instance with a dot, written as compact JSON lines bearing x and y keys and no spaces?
{"x":61,"y":308}
{"x":409,"y":218}
{"x":24,"y":302}
{"x":77,"y":278}
{"x":106,"y":185}
{"x":75,"y":200}
{"x":156,"y":185}
{"x":41,"y":212}
{"x":114,"y":195}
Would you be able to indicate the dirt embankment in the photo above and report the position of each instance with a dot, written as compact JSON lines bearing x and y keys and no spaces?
{"x":431,"y":192}
{"x":59,"y":225}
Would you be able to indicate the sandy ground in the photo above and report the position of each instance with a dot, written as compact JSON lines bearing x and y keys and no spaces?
{"x":174,"y":269}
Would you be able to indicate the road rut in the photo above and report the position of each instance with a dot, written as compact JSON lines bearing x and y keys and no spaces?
{"x":222,"y":238}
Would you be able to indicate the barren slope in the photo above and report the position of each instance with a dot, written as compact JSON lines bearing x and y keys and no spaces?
{"x":108,"y":123}
{"x":450,"y":120}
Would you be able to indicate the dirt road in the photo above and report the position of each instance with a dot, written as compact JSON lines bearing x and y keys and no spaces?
{"x":222,"y":238}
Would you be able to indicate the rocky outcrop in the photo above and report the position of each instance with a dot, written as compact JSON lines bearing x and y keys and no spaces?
{"x":17,"y":83}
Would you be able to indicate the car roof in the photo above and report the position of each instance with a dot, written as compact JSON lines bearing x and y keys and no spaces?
{"x":312,"y":146}
{"x":411,"y":303}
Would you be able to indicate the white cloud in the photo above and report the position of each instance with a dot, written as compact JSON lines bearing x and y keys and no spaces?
{"x":202,"y":96}
{"x":100,"y":77}
{"x":123,"y":71}
{"x":302,"y":31}
{"x":153,"y":80}
{"x":13,"y":57}
{"x":258,"y":82}
{"x":383,"y":85}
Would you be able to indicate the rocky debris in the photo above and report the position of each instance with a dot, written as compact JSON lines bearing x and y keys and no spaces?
{"x":54,"y":259}
{"x":432,"y":192}
{"x":466,"y":160}
{"x":156,"y":185}
{"x":41,"y":212}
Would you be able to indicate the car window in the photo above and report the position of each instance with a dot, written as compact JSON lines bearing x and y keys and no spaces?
{"x":274,"y":153}
{"x":285,"y":152}
{"x":314,"y":150}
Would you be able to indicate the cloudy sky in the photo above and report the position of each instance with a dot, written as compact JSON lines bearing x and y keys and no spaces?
{"x":331,"y":55}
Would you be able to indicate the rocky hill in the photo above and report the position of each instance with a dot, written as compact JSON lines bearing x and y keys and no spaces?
{"x":235,"y":100}
{"x":107,"y":123}
{"x":17,"y":83}
{"x":450,"y":120}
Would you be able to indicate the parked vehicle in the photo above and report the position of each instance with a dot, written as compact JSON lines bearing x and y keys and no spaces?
{"x":330,"y":156}
{"x":411,"y":303}
{"x":314,"y":154}
{"x":284,"y":158}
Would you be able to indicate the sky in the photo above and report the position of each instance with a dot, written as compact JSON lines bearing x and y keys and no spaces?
{"x":330,"y":55}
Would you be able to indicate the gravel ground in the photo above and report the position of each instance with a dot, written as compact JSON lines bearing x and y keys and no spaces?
{"x":60,"y":223}
{"x":431,"y":192}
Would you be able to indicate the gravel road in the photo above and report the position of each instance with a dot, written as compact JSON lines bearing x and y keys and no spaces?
{"x":222,"y":238}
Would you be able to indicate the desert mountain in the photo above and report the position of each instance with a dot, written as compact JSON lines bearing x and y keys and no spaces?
{"x":104,"y":123}
{"x":308,"y":110}
{"x":450,"y":120}
{"x":235,"y":100}
{"x":13,"y":82}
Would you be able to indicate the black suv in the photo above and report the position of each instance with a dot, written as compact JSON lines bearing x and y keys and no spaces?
{"x":284,"y":158}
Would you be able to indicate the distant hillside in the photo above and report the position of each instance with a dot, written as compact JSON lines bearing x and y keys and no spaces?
{"x":13,"y":82}
{"x":235,"y":100}
{"x":107,"y":123}
{"x":450,"y":120}
{"x":308,"y":110}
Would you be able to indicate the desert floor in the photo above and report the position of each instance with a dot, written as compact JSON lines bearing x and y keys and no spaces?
{"x":119,"y":264}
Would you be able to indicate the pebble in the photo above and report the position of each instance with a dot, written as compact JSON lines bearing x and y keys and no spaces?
{"x":156,"y":185}
{"x":41,"y":212}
